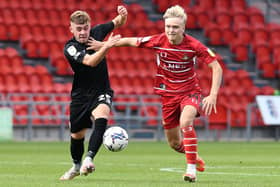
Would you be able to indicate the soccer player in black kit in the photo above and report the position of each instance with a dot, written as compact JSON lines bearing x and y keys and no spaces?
{"x":91,"y":94}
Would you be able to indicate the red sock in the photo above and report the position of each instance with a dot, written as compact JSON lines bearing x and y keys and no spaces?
{"x":181,"y":148}
{"x":190,"y":144}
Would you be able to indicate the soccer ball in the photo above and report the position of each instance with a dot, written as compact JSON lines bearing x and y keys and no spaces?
{"x":115,"y":139}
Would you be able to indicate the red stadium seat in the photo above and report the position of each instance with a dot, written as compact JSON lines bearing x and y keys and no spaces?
{"x":214,"y":33}
{"x":255,"y":15}
{"x":268,"y":70}
{"x":226,"y":4}
{"x":240,"y":50}
{"x":4,"y":32}
{"x":239,"y":16}
{"x":223,"y":16}
{"x":260,"y":32}
{"x":192,"y":19}
{"x":206,"y":4}
{"x":244,"y":33}
{"x":267,"y":90}
{"x":13,"y":32}
{"x":240,"y":4}
{"x":203,"y":17}
{"x":43,"y":49}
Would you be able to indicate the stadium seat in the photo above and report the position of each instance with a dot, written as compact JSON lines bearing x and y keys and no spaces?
{"x":268,"y":70}
{"x":4,"y":31}
{"x":203,"y":17}
{"x":13,"y":32}
{"x":240,"y":50}
{"x":223,"y":16}
{"x":43,"y":49}
{"x":206,"y":4}
{"x":213,"y":32}
{"x":260,"y":32}
{"x":218,"y":120}
{"x":267,"y":90}
{"x":225,"y":4}
{"x":192,"y":19}
{"x":244,"y":33}
{"x":262,"y":51}
{"x":239,"y":16}
{"x":274,"y":30}
{"x":240,"y":4}
{"x":255,"y":15}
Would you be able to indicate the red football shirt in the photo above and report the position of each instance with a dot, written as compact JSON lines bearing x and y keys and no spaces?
{"x":175,"y":63}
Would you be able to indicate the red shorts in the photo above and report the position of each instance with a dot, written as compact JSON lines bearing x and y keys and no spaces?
{"x":172,"y":107}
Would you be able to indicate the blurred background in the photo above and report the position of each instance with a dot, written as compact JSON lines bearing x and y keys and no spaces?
{"x":35,"y":78}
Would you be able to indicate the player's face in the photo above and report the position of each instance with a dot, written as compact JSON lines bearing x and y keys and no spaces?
{"x":80,"y":31}
{"x":174,"y":30}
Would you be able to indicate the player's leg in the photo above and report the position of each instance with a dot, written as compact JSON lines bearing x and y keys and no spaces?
{"x":101,"y":114}
{"x":77,"y":151}
{"x":190,"y":141}
{"x":173,"y":136}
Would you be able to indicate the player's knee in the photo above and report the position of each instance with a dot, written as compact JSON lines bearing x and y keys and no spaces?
{"x":78,"y":135}
{"x":185,"y":122}
{"x":174,"y":144}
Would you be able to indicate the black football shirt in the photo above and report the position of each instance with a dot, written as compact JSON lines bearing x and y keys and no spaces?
{"x":88,"y":81}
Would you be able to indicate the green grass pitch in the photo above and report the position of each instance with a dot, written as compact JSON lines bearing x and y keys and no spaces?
{"x":142,"y":164}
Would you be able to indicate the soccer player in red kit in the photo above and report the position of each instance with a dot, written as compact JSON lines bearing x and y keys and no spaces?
{"x":177,"y":83}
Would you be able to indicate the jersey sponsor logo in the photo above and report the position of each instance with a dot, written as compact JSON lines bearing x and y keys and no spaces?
{"x":72,"y":50}
{"x":105,"y":97}
{"x":76,"y":55}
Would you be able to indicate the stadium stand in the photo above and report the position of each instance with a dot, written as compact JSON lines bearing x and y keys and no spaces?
{"x":39,"y":92}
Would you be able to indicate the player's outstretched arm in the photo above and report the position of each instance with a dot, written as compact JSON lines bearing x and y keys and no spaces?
{"x":120,"y":19}
{"x":94,"y":59}
{"x":209,"y":102}
{"x":96,"y":45}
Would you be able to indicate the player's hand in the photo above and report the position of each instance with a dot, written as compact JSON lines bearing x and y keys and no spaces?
{"x":112,"y":40}
{"x":122,"y":11}
{"x":94,"y":44}
{"x":209,"y":103}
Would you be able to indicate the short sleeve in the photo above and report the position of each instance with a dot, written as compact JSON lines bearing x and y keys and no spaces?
{"x":205,"y":54}
{"x":99,"y":32}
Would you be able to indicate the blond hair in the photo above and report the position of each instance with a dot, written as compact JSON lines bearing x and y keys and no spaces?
{"x":80,"y":17}
{"x":175,"y":12}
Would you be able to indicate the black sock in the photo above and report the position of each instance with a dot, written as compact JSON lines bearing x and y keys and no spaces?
{"x":77,"y":150}
{"x":96,"y":137}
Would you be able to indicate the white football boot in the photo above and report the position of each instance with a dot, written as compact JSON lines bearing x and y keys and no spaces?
{"x":87,"y":166}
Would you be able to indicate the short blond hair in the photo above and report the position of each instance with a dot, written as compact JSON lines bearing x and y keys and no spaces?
{"x":175,"y":12}
{"x":80,"y":17}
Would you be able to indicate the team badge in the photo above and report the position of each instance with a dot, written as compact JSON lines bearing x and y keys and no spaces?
{"x":72,"y":50}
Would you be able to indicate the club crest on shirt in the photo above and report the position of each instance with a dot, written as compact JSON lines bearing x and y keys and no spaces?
{"x":162,"y":86}
{"x":185,"y":57}
{"x":72,"y":50}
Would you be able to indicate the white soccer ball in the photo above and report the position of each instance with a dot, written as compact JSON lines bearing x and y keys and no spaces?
{"x":115,"y":139}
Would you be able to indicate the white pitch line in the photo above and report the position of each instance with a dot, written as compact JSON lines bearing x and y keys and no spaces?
{"x":180,"y":170}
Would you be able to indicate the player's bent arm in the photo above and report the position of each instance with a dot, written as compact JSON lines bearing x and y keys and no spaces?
{"x":217,"y":72}
{"x":94,"y":59}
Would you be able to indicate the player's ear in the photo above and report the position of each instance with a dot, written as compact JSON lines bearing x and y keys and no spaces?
{"x":71,"y":28}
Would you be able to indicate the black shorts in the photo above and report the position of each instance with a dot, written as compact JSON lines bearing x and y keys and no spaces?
{"x":80,"y":110}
